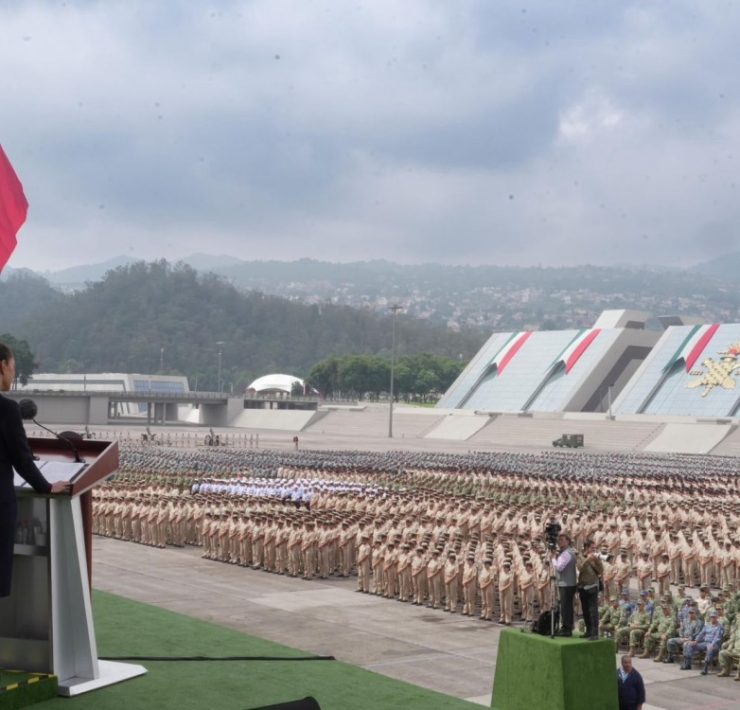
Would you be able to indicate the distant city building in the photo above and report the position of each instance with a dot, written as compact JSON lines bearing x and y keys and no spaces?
{"x":554,"y":371}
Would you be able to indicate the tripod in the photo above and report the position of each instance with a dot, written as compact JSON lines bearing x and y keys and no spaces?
{"x":554,"y":595}
{"x":554,"y":605}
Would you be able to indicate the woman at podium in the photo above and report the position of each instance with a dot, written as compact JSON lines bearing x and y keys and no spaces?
{"x":15,"y":453}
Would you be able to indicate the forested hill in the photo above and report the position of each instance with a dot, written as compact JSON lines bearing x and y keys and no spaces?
{"x":120,"y":324}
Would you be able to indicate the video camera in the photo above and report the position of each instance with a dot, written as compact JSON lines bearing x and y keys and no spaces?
{"x":552,"y":530}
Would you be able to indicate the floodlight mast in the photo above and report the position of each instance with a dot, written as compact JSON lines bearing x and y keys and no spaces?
{"x":394,"y":309}
{"x":220,"y":344}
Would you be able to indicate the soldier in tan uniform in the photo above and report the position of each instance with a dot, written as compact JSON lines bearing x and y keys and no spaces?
{"x":376,"y":565}
{"x":344,"y":549}
{"x":543,"y":587}
{"x":258,"y":542}
{"x":486,"y":583}
{"x":418,"y":576}
{"x":434,"y":579}
{"x":151,"y":524}
{"x":233,"y":536}
{"x":242,"y":535}
{"x":622,"y":570}
{"x":404,"y":573}
{"x":281,"y":546}
{"x":268,"y":542}
{"x":506,"y":592}
{"x":704,"y":556}
{"x":294,"y":549}
{"x":206,"y":536}
{"x":664,"y":574}
{"x":324,"y":540}
{"x":390,"y":571}
{"x":308,"y":551}
{"x":364,"y":552}
{"x":674,"y":553}
{"x":136,"y":513}
{"x":526,"y":591}
{"x":469,"y":585}
{"x":451,"y":573}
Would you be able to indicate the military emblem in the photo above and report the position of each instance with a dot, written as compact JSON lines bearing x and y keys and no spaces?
{"x":718,"y":373}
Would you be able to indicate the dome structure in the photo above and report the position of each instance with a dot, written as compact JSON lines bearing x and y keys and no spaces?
{"x":275,"y":384}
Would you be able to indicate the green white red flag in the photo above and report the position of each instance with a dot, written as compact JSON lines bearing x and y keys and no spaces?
{"x":506,"y":354}
{"x":572,"y":352}
{"x":692,"y":346}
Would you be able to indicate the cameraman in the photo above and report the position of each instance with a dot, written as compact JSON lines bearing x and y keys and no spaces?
{"x":564,"y":564}
{"x":589,"y":573}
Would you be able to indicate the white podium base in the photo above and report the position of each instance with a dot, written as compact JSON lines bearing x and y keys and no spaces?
{"x":111,"y":672}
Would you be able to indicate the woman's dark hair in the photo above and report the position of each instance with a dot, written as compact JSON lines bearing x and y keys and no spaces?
{"x":5,"y":353}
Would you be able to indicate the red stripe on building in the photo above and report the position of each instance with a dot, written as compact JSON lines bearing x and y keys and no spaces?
{"x":513,"y":350}
{"x":701,"y":344}
{"x":582,"y":347}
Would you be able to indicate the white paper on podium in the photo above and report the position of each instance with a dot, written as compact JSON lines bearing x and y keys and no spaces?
{"x":53,"y":471}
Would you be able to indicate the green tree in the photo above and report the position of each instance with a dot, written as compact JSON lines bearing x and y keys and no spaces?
{"x":324,"y":376}
{"x":359,"y":374}
{"x":25,"y":363}
{"x":423,"y":374}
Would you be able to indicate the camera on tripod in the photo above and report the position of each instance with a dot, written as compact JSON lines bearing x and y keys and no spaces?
{"x":552,"y":530}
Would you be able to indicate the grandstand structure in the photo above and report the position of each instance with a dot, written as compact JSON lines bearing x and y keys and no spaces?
{"x":622,"y":385}
{"x":692,"y":371}
{"x":554,"y":370}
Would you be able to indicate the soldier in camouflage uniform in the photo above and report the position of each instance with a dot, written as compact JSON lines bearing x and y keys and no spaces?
{"x":613,"y":619}
{"x":730,"y":653}
{"x":662,"y":628}
{"x":635,"y":629}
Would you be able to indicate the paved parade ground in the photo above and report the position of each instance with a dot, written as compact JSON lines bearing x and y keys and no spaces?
{"x":450,"y":654}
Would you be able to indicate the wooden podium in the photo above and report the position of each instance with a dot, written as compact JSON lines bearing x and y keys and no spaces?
{"x":46,"y":623}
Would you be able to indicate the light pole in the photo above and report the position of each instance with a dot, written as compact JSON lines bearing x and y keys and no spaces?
{"x":161,"y":359}
{"x":220,"y":344}
{"x":394,"y":308}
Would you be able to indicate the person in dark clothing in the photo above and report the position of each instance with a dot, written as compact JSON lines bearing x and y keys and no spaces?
{"x":15,"y":453}
{"x":590,"y":572}
{"x":630,"y":686}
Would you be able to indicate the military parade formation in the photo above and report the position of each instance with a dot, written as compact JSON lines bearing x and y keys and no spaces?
{"x":460,"y":533}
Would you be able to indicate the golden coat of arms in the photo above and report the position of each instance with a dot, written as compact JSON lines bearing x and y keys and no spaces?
{"x":718,"y":373}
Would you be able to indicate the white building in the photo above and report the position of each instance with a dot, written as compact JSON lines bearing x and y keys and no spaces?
{"x":111,"y":382}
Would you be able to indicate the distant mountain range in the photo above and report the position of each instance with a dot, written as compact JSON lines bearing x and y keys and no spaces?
{"x":487,"y":297}
{"x":723,"y":267}
{"x":159,"y":317}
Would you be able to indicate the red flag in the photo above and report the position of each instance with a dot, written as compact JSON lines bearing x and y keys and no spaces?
{"x":13,"y":208}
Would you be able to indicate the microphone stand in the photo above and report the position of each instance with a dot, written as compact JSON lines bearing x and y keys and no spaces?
{"x":72,"y":447}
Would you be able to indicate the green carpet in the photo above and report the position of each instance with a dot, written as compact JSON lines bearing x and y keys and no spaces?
{"x":17,"y":690}
{"x":127,"y":628}
{"x":559,"y":674}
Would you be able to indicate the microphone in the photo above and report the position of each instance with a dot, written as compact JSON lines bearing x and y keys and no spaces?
{"x":29,"y":410}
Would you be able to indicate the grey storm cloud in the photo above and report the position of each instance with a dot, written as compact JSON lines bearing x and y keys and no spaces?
{"x":421,"y":130}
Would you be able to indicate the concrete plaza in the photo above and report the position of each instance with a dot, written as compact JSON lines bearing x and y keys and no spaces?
{"x":448,"y":653}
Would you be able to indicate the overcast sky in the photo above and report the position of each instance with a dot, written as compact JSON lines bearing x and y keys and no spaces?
{"x":413,"y":130}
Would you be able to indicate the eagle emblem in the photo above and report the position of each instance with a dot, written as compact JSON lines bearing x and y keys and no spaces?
{"x":718,"y":373}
